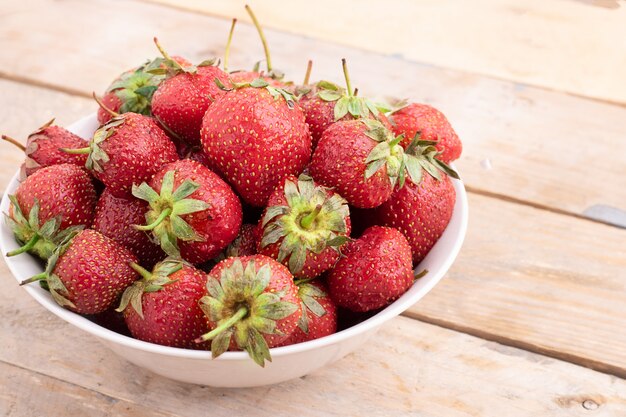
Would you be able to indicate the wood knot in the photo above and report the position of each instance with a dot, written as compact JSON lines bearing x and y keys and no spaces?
{"x":590,"y":405}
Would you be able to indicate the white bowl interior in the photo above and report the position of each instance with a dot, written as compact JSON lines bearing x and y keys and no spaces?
{"x":437,"y":263}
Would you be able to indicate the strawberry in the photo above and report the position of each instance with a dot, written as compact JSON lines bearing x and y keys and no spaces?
{"x":111,"y":320}
{"x":432,"y":125}
{"x":184,"y":96}
{"x":42,"y":148}
{"x":361,"y":160}
{"x":49,"y":204}
{"x":304,"y":226}
{"x":273,"y":77}
{"x":163,"y":308}
{"x":254,"y":137}
{"x":88,"y":273}
{"x":319,"y":313}
{"x":115,"y":218}
{"x":245,"y":243}
{"x":127,"y":150}
{"x":326,"y":103}
{"x":375,"y":271}
{"x":423,"y":207}
{"x":252,"y":305}
{"x":193,"y":212}
{"x":132,"y":91}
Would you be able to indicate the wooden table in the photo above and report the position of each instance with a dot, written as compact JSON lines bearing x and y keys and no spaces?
{"x":530,"y":319}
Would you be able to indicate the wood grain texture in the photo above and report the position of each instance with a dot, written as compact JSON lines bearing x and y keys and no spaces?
{"x":520,"y":142}
{"x":24,"y":109}
{"x":568,"y":45}
{"x":408,"y":369}
{"x":24,"y":393}
{"x":538,"y":280}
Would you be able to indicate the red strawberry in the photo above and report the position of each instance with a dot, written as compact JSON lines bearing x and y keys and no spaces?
{"x":432,"y":125}
{"x":181,"y":100}
{"x":163,"y":308}
{"x":193,"y":212}
{"x":115,"y":218}
{"x":129,"y":149}
{"x":361,"y":160}
{"x":88,"y":273}
{"x":132,"y":91}
{"x":252,"y":305}
{"x":423,"y":207}
{"x":245,"y":243}
{"x":273,"y":77}
{"x":319,"y":314}
{"x":255,"y":136}
{"x":375,"y":271}
{"x":42,"y":148}
{"x":303,"y":226}
{"x":48,"y":205}
{"x":326,"y":103}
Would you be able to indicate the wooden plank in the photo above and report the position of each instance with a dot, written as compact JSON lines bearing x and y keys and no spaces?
{"x":520,"y":142}
{"x":24,"y":109}
{"x":537,"y":42}
{"x":29,"y":394}
{"x":538,"y":280}
{"x":408,"y":369}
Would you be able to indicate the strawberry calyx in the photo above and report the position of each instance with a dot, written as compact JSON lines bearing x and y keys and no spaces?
{"x":40,"y":240}
{"x":31,"y":145}
{"x":309,"y":294}
{"x":422,"y":155}
{"x":150,"y":282}
{"x":135,"y":89}
{"x":387,"y":152}
{"x":241,"y":309}
{"x":313,"y":220}
{"x":275,"y":92}
{"x":346,"y":99}
{"x":51,"y":281}
{"x":169,"y":67}
{"x":167,"y":207}
{"x":96,"y":156}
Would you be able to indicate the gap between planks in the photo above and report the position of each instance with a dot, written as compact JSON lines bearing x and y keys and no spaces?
{"x":42,"y":84}
{"x":598,"y":366}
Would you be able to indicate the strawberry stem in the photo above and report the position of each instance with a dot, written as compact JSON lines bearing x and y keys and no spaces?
{"x":28,"y":246}
{"x":347,"y":77}
{"x":78,"y":151}
{"x":225,"y":325}
{"x":101,"y":104}
{"x":38,"y":277}
{"x":230,"y":38}
{"x":307,"y":75}
{"x":259,"y":29}
{"x":307,"y":220}
{"x":141,"y":270}
{"x":155,"y":223}
{"x":161,"y":50}
{"x":14,"y":142}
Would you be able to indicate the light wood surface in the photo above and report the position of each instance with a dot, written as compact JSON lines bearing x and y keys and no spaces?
{"x":520,"y":142}
{"x":539,"y":280}
{"x":575,"y":46}
{"x":534,"y":281}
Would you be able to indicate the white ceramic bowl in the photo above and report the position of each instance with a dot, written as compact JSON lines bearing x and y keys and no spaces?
{"x":235,"y":369}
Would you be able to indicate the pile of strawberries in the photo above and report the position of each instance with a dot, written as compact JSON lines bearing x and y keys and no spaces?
{"x":234,"y":210}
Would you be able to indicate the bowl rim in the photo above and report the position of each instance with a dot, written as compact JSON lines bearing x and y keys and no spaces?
{"x":460,"y":214}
